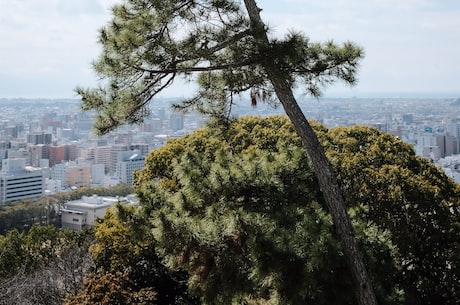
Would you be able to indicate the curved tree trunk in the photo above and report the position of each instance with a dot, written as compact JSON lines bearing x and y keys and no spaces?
{"x":327,"y":178}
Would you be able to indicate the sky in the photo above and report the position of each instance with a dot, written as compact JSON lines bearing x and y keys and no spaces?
{"x":412,"y":47}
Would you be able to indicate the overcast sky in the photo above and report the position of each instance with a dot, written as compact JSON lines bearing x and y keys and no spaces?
{"x":412,"y":46}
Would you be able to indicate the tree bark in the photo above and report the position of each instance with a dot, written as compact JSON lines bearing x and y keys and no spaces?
{"x":327,"y":178}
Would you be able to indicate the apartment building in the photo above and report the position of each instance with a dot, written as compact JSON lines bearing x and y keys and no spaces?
{"x":78,"y":175}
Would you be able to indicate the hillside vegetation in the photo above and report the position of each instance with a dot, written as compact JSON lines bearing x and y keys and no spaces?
{"x":234,"y":215}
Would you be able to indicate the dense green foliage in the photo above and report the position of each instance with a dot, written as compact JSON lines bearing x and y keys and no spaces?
{"x":409,"y":197}
{"x":25,"y":214}
{"x":240,"y":210}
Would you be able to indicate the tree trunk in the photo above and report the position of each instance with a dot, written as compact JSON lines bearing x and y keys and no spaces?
{"x":327,"y":178}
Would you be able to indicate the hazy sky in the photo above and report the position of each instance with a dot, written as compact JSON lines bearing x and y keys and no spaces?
{"x":411,"y":46}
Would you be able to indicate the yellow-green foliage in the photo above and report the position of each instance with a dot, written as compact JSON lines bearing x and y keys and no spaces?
{"x":240,"y":209}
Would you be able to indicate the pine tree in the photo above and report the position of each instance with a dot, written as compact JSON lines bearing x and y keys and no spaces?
{"x":149,"y":43}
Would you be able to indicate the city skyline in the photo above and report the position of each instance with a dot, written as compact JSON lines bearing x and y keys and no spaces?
{"x":411,"y":47}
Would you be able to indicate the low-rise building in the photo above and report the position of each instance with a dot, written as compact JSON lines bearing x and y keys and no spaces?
{"x":78,"y":214}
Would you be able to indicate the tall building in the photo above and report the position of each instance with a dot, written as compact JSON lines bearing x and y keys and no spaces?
{"x":142,"y":147}
{"x":446,"y":144}
{"x":37,"y":153}
{"x":71,"y":152}
{"x":114,"y":152}
{"x":97,"y":174}
{"x":127,"y":163}
{"x":454,"y":130}
{"x":60,"y":153}
{"x":176,"y":121}
{"x":78,"y":175}
{"x":19,"y":182}
{"x":58,"y":173}
{"x":102,"y":155}
{"x":39,"y":138}
{"x":56,"y":154}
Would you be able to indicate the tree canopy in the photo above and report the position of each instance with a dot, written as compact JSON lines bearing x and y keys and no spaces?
{"x":148,"y":44}
{"x":240,"y":210}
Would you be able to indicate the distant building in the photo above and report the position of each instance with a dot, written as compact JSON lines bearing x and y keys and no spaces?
{"x":60,"y":153}
{"x":102,"y":155}
{"x":21,"y":153}
{"x":124,"y":138}
{"x":144,"y":148}
{"x":67,"y":133}
{"x":39,"y":138}
{"x":19,"y":182}
{"x":58,"y":173}
{"x":176,"y":121}
{"x":408,"y":118}
{"x":78,"y":175}
{"x":78,"y":214}
{"x":52,"y":186}
{"x":127,"y":163}
{"x":37,"y":153}
{"x":116,"y":149}
{"x":432,"y":153}
{"x":11,"y":131}
{"x":97,"y":174}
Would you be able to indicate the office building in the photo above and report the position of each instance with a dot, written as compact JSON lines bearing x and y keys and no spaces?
{"x":116,"y":149}
{"x":39,"y":138}
{"x":18,"y":182}
{"x":127,"y":163}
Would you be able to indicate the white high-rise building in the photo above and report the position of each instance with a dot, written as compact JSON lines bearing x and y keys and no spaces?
{"x":19,"y":182}
{"x":127,"y":163}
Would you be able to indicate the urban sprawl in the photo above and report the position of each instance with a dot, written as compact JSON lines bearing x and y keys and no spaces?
{"x":47,"y":146}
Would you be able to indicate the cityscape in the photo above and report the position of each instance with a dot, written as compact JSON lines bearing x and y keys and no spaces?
{"x":256,"y":210}
{"x":47,"y":145}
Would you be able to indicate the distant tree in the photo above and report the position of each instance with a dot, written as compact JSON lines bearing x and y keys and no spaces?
{"x":118,"y":190}
{"x":240,"y":210}
{"x":147,"y":44}
{"x":23,"y":215}
{"x":42,"y":266}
